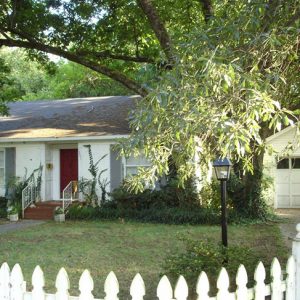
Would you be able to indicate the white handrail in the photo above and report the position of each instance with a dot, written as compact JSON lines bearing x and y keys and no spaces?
{"x":28,"y":196}
{"x":69,"y":193}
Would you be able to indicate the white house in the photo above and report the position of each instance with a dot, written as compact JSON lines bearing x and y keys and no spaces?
{"x":284,"y":166}
{"x":54,"y":134}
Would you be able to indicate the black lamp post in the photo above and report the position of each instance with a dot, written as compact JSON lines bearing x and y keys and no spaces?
{"x":222,"y":169}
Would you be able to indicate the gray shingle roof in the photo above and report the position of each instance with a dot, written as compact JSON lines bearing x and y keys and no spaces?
{"x":97,"y":116}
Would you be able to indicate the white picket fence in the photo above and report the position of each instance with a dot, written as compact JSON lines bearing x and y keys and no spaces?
{"x":282,"y":286}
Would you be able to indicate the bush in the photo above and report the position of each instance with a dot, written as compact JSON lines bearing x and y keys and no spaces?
{"x":168,"y":196}
{"x":169,"y":205}
{"x":210,"y":194}
{"x":3,"y":207}
{"x":153,"y":215}
{"x":82,"y":212}
{"x":209,"y":257}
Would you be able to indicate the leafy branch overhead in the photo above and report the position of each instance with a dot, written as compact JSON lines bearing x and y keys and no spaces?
{"x":235,"y":84}
{"x":113,"y":38}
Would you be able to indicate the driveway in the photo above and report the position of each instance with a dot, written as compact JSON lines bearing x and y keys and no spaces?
{"x":291,"y":217}
{"x":12,"y":226}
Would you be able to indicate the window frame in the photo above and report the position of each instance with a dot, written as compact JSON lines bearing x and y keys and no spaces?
{"x":291,"y":162}
{"x":125,"y":165}
{"x":290,"y":158}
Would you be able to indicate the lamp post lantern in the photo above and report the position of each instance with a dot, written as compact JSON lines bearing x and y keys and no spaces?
{"x":222,"y":170}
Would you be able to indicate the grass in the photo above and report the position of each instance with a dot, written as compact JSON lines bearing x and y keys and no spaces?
{"x":124,"y":248}
{"x":3,"y":221}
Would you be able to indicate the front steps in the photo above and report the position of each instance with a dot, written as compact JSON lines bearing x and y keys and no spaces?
{"x":42,"y":210}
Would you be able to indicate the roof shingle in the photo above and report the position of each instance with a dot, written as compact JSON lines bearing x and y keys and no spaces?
{"x":97,"y":116}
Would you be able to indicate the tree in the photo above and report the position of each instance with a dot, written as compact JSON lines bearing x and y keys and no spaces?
{"x":32,"y":80}
{"x":7,"y":88}
{"x":223,"y":98}
{"x":20,"y":67}
{"x":220,"y":71}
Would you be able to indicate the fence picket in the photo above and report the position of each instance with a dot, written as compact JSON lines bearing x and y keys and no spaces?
{"x":202,"y":287}
{"x":86,"y":286}
{"x":241,"y":283}
{"x":38,"y":283}
{"x":111,"y":287}
{"x":137,"y":288}
{"x":13,"y":286}
{"x":4,"y":281}
{"x":259,"y":277}
{"x":223,"y":285}
{"x":290,"y":279}
{"x":276,"y":280}
{"x":164,"y":289}
{"x":17,"y":283}
{"x":62,"y":285}
{"x":181,"y":291}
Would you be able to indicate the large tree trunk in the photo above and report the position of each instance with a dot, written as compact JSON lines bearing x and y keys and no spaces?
{"x":253,"y":202}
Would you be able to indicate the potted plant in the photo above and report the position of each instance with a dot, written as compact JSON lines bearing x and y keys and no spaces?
{"x":13,"y":213}
{"x":59,"y":214}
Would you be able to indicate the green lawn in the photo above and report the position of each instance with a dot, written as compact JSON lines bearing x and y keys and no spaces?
{"x":124,"y":248}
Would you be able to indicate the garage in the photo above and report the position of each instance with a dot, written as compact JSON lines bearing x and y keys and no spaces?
{"x":287,"y":182}
{"x":282,"y":167}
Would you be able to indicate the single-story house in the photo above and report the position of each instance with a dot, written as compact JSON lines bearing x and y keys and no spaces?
{"x":283,"y":165}
{"x":55,"y":135}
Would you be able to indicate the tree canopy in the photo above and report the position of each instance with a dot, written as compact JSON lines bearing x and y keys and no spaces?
{"x":31,"y":80}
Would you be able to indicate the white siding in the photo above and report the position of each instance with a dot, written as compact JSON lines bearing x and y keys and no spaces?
{"x":29,"y":157}
{"x":48,"y":173}
{"x":98,"y":150}
{"x":279,"y":142}
{"x":282,"y":139}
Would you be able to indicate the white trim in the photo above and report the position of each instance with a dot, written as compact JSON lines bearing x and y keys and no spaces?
{"x":279,"y":133}
{"x":64,"y":139}
{"x":136,"y":166}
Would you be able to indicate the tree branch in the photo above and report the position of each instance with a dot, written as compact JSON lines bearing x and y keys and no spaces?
{"x":159,"y":29}
{"x":295,"y":17}
{"x":126,"y":81}
{"x":207,"y":9}
{"x":108,"y":54}
{"x":270,"y":13}
{"x":102,"y":54}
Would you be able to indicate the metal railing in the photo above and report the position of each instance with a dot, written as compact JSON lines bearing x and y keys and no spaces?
{"x":70,"y":193}
{"x":28,"y":196}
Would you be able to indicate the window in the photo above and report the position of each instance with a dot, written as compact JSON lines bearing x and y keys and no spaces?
{"x":289,"y":163}
{"x":132,"y":164}
{"x":2,"y":166}
{"x":295,"y":163}
{"x":283,"y":164}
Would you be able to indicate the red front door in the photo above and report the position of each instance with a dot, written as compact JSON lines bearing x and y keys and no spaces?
{"x":68,"y":167}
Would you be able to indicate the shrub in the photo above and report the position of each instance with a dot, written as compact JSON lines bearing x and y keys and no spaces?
{"x":255,"y":208}
{"x":15,"y":187}
{"x":82,"y":212}
{"x":209,"y":257}
{"x":153,"y":215}
{"x":3,"y":207}
{"x":170,"y":195}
